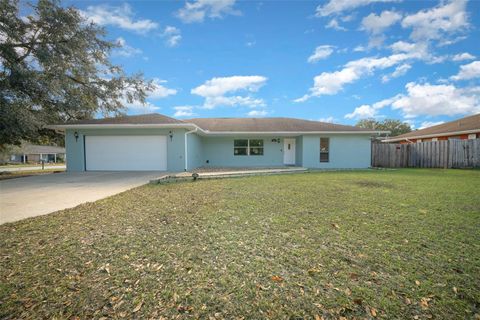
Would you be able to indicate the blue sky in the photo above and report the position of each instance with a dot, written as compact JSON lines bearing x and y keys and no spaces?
{"x":337,"y":60}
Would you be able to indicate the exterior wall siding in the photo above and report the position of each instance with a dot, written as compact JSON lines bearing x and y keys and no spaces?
{"x":218,"y":151}
{"x":299,"y":151}
{"x":195,"y":151}
{"x":346,"y":151}
{"x":76,"y":153}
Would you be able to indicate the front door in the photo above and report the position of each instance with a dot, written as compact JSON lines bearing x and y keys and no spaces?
{"x":289,"y":151}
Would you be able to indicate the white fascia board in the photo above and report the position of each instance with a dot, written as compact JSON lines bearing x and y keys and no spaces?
{"x":121,"y":126}
{"x":286,"y":133}
{"x":425,"y":136}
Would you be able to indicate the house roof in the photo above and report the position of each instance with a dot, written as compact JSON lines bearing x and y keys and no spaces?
{"x":151,"y":118}
{"x":37,"y":149}
{"x":269,"y":125}
{"x":460,"y":126}
{"x":218,"y":125}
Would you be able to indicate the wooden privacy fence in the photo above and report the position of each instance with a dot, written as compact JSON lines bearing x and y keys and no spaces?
{"x":432,"y":154}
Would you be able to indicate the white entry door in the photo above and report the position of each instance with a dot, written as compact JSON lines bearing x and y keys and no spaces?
{"x":125,"y":153}
{"x":289,"y":151}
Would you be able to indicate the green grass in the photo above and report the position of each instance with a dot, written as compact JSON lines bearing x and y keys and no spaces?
{"x":391,"y":244}
{"x":5,"y":175}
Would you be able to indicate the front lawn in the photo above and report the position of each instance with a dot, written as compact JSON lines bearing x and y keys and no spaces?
{"x":380,"y":244}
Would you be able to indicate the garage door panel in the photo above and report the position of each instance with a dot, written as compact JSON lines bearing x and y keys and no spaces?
{"x":125,"y":153}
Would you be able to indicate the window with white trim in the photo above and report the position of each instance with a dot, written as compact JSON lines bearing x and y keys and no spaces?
{"x":324,"y":149}
{"x":248,"y":147}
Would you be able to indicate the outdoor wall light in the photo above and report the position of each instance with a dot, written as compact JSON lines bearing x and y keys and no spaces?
{"x":277,"y":140}
{"x":170,"y":134}
{"x":75,"y":134}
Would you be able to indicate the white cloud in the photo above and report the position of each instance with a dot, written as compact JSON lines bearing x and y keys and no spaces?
{"x":468,"y":71}
{"x":321,"y":52}
{"x":362,"y":112}
{"x":198,"y":10}
{"x":183,"y":111}
{"x":159,"y":91}
{"x":376,"y":24}
{"x":418,"y":49}
{"x":427,"y":124}
{"x":463,"y":56}
{"x":399,"y":71}
{"x":215,"y":91}
{"x":359,"y":49}
{"x":333,"y":24}
{"x":435,"y":100}
{"x":125,"y":50}
{"x":121,"y":17}
{"x":427,"y":99}
{"x":369,"y":111}
{"x":338,"y":6}
{"x":138,"y":107}
{"x":257,"y":113}
{"x":330,"y":83}
{"x":327,"y":119}
{"x":172,"y":36}
{"x":430,"y":24}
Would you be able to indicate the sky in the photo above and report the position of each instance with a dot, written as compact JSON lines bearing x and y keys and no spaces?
{"x":336,"y":61}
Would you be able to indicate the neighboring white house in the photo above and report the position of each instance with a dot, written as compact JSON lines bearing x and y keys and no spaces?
{"x":29,"y":153}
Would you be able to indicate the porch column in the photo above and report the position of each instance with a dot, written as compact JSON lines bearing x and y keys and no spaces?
{"x":55,"y":158}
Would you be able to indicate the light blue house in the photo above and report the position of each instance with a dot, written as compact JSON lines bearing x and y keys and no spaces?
{"x":156,"y":142}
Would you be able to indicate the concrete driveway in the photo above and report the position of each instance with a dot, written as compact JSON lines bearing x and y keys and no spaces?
{"x":37,"y":195}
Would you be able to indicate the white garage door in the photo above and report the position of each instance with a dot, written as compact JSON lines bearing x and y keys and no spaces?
{"x":125,"y":153}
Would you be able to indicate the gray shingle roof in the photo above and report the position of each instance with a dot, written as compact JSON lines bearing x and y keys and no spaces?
{"x":151,"y":118}
{"x":229,"y":124}
{"x":268,"y":125}
{"x":36,"y":149}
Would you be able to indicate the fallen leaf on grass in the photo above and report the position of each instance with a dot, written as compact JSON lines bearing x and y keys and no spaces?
{"x":373,"y":312}
{"x":317,"y":317}
{"x":348,"y":292}
{"x":408,"y":301}
{"x":138,"y":307}
{"x":277,"y":278}
{"x":313,"y":271}
{"x":424,"y":303}
{"x":455,"y":289}
{"x":335,"y":226}
{"x":417,"y":282}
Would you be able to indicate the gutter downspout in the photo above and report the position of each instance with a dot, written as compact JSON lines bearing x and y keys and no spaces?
{"x":186,"y":146}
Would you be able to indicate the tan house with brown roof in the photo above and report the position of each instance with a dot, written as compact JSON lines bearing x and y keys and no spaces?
{"x":464,"y":128}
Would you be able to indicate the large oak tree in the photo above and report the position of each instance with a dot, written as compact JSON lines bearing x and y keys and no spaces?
{"x":55,"y":67}
{"x":396,"y":127}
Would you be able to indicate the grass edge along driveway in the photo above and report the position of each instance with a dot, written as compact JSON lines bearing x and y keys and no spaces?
{"x":367,"y":244}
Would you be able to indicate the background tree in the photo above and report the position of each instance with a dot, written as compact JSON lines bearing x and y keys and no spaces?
{"x":54,"y":67}
{"x":396,"y":127}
